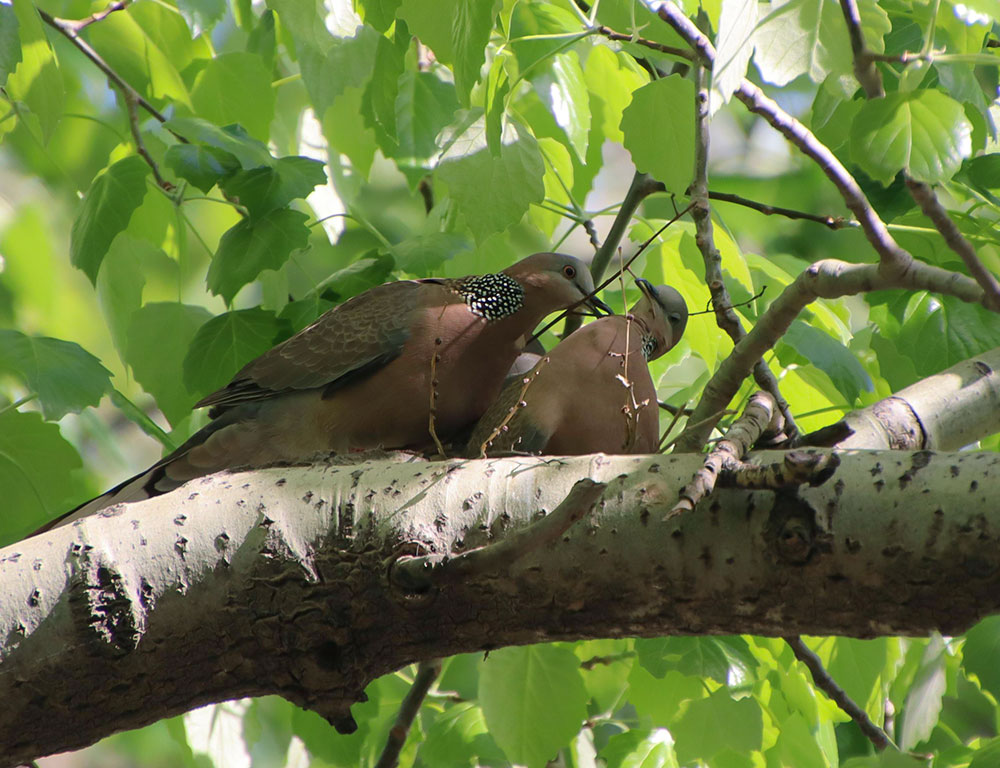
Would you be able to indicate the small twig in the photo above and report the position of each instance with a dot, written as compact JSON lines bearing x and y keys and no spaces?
{"x":833,"y":222}
{"x":829,"y":686}
{"x":432,"y":411}
{"x":677,"y":413}
{"x":68,"y":30}
{"x":864,"y":62}
{"x":933,"y":210}
{"x":594,"y":661}
{"x":709,"y":421}
{"x":760,"y":416}
{"x":651,"y":44}
{"x":725,"y":317}
{"x":140,"y":146}
{"x":427,"y":673}
{"x":611,"y":279}
{"x":427,"y":194}
{"x":78,"y":24}
{"x":521,"y":403}
{"x":417,"y":574}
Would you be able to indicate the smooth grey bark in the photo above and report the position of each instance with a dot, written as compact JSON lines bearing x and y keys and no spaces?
{"x":287,"y":580}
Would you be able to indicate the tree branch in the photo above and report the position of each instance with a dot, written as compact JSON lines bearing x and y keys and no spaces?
{"x":427,"y":673}
{"x":289,"y":567}
{"x":829,"y":279}
{"x":838,"y":695}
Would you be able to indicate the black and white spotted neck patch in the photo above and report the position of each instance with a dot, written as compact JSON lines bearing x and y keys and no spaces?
{"x":493,"y":297}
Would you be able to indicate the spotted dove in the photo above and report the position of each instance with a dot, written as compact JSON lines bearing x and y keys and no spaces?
{"x":360,"y":376}
{"x":593,"y":392}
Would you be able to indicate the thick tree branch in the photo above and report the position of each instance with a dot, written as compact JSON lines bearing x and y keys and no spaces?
{"x":943,"y":412}
{"x":827,"y":279}
{"x":277,"y":581}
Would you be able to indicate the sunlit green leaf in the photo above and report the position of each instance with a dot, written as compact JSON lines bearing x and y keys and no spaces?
{"x":235,"y":88}
{"x":662,"y":108}
{"x":802,"y":37}
{"x":225,"y":344}
{"x":533,"y":699}
{"x":698,"y":736}
{"x":63,"y":374}
{"x":36,"y":80}
{"x":922,"y":132}
{"x":107,"y":208}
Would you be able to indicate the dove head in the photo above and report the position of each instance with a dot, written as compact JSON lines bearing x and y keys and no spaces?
{"x":663,"y":311}
{"x":554,"y":281}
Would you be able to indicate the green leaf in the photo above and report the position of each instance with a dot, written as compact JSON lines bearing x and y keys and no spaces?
{"x":796,"y":744}
{"x":611,"y":82}
{"x":733,"y":48}
{"x":639,"y":748}
{"x":263,"y":40}
{"x":802,"y":37}
{"x":305,"y":20}
{"x":63,"y":374}
{"x":262,"y":190}
{"x":664,"y":107}
{"x":531,"y":20}
{"x":696,"y":656}
{"x":941,"y":331}
{"x":346,"y":63}
{"x":10,"y":42}
{"x":922,"y":132}
{"x":383,"y":87}
{"x":660,"y":699}
{"x":36,"y":80}
{"x":345,"y":131}
{"x":251,"y":246}
{"x":158,"y":340}
{"x":458,"y":736}
{"x":236,"y":88}
{"x":124,"y":271}
{"x":298,"y":314}
{"x":470,"y":32}
{"x":493,"y":192}
{"x":202,"y":166}
{"x":431,"y":21}
{"x":698,"y":735}
{"x":981,"y":651}
{"x":568,"y":100}
{"x":107,"y":207}
{"x":225,"y":344}
{"x":379,"y":13}
{"x":533,"y":699}
{"x":370,"y":270}
{"x":425,"y":105}
{"x":830,"y":356}
{"x":205,"y":13}
{"x":857,"y":666}
{"x":249,"y":152}
{"x":144,"y":45}
{"x":924,"y":699}
{"x":423,"y":254}
{"x":36,"y":473}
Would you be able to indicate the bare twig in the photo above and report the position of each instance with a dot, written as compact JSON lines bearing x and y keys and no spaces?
{"x":725,"y":316}
{"x":432,"y":411}
{"x":829,"y":686}
{"x":833,"y":222}
{"x":418,"y":574}
{"x":594,"y":661}
{"x":427,"y":673}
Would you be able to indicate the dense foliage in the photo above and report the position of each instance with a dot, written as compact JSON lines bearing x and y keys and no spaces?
{"x":249,"y":165}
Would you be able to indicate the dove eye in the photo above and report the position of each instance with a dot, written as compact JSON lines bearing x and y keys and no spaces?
{"x":569,"y":271}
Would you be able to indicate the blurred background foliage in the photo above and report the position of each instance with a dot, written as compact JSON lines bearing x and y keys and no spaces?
{"x":312,"y":150}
